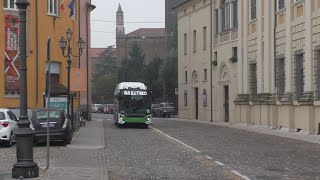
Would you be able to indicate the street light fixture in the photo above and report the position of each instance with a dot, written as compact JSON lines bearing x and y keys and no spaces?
{"x":25,"y":167}
{"x":63,"y":44}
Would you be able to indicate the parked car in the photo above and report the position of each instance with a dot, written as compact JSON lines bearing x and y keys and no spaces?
{"x":95,"y":108}
{"x":8,"y":122}
{"x":153,"y":107}
{"x":165,"y":110}
{"x":16,"y":112}
{"x":59,"y":124}
{"x":101,"y":108}
{"x":110,"y":109}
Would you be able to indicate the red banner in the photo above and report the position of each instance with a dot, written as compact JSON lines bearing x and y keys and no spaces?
{"x":12,"y":60}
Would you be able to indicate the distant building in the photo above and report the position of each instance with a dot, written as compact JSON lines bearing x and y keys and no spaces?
{"x":96,"y":60}
{"x":171,"y":16}
{"x":152,"y":41}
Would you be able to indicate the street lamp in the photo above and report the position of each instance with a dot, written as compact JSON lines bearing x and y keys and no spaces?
{"x":25,"y":167}
{"x":63,"y":44}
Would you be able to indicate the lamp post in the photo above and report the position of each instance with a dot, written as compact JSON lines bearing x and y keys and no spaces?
{"x":63,"y":43}
{"x":25,"y":167}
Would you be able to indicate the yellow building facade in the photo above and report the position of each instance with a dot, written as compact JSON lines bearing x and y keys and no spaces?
{"x":45,"y":18}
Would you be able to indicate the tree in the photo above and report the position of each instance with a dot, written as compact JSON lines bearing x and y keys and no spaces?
{"x":104,"y":87}
{"x":152,"y":78}
{"x":104,"y":77}
{"x":132,"y":69}
{"x":169,"y":69}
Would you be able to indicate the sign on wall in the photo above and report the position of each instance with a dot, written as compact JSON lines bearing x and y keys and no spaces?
{"x":58,"y":102}
{"x":12,"y":59}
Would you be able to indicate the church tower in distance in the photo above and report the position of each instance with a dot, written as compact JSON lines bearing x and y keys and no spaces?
{"x":120,"y":22}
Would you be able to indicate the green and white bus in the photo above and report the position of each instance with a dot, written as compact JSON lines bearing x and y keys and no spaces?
{"x":132,"y":104}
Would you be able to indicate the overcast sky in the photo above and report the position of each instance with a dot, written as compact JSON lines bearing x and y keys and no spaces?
{"x":103,"y":33}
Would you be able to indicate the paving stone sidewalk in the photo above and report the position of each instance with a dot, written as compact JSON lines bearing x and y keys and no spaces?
{"x":83,"y":159}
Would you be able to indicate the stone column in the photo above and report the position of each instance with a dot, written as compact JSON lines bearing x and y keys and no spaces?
{"x":240,"y":47}
{"x":268,"y":45}
{"x":245,"y":46}
{"x":288,"y":52}
{"x":259,"y":48}
{"x":308,"y":71}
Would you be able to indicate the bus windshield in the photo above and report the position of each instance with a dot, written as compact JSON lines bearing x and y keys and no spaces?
{"x":134,"y":104}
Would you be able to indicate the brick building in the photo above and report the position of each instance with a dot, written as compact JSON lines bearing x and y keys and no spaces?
{"x":151,"y":40}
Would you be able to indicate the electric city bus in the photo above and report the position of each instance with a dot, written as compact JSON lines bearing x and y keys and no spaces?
{"x":132,"y":104}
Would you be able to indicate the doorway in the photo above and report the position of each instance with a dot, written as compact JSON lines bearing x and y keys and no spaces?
{"x":197,"y":103}
{"x":226,"y":103}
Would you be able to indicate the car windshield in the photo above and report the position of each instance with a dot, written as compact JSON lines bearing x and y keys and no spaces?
{"x":43,"y":115}
{"x":134,"y":104}
{"x":2,"y":116}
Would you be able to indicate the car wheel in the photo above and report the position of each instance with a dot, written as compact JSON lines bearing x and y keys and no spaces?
{"x":9,"y":142}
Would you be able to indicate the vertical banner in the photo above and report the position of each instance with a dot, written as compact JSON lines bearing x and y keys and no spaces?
{"x":78,"y":80}
{"x":11,"y":60}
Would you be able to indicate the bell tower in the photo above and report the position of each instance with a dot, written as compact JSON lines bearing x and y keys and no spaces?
{"x":120,"y":22}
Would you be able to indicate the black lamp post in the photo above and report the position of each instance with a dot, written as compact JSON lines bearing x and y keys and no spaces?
{"x":63,"y":44}
{"x":25,"y":167}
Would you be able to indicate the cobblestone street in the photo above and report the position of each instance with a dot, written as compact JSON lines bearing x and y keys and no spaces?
{"x":172,"y":149}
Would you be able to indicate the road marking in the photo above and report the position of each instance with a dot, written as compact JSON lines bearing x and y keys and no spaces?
{"x":194,"y":149}
{"x":220,"y":163}
{"x":238,"y":174}
{"x":208,"y":157}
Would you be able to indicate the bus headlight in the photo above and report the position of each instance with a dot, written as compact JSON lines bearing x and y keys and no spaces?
{"x":148,"y":120}
{"x":120,"y":119}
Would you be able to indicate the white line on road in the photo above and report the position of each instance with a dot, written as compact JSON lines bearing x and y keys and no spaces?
{"x":194,"y":149}
{"x":208,"y":157}
{"x":238,"y":174}
{"x":220,"y":163}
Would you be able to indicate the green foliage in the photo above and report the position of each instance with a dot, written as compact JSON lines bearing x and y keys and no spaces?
{"x":152,"y":77}
{"x":132,"y":68}
{"x":104,"y":78}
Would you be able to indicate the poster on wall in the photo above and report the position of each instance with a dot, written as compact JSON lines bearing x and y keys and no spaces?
{"x":11,"y":60}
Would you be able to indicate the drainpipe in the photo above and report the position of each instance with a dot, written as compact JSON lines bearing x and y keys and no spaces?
{"x":90,"y":7}
{"x":275,"y":39}
{"x":37,"y":57}
{"x":210,"y":61}
{"x":79,"y":33}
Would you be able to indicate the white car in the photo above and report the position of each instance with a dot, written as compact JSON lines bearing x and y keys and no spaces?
{"x":8,"y":122}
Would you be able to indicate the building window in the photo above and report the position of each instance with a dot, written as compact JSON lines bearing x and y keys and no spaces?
{"x":186,"y":76}
{"x":253,"y":80}
{"x":280,"y":77}
{"x":280,"y":5}
{"x":299,"y":76}
{"x":205,"y":38}
{"x":204,"y":94}
{"x":253,"y":10}
{"x":318,"y":74}
{"x":185,"y":44}
{"x":185,"y":95}
{"x":9,"y":4}
{"x":235,"y":52}
{"x":225,"y":8}
{"x":205,"y":74}
{"x":217,"y":20}
{"x":194,"y":41}
{"x":53,"y":7}
{"x":235,"y":14}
